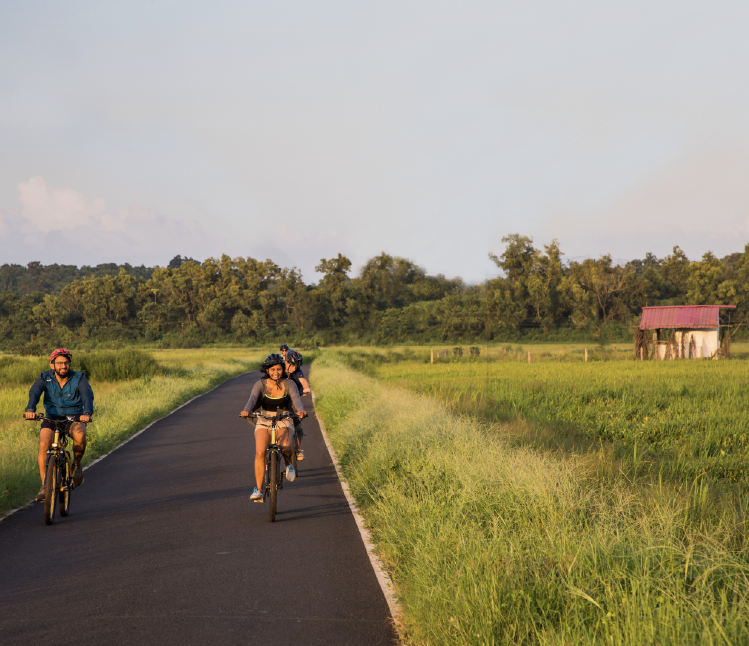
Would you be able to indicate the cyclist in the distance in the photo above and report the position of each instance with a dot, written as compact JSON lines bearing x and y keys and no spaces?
{"x":272,"y":395}
{"x":284,"y":349}
{"x":294,"y":362}
{"x":66,"y":392}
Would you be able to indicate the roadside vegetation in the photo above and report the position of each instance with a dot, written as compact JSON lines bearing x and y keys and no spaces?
{"x":131,"y":388}
{"x":663,"y":419}
{"x":541,"y":503}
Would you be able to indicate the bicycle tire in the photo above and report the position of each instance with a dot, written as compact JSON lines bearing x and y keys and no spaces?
{"x":50,"y":490}
{"x":65,"y":480}
{"x":273,"y":484}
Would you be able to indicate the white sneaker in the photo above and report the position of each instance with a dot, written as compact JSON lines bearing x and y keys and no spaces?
{"x":290,"y":473}
{"x":256,"y":496}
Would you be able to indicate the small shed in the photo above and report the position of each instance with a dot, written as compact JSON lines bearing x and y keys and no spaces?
{"x":682,"y":332}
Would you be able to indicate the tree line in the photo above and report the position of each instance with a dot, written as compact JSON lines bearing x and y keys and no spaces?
{"x":536,"y":295}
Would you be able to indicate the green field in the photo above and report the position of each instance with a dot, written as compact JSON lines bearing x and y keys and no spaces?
{"x":123,"y":405}
{"x":676,"y":418}
{"x":558,"y":502}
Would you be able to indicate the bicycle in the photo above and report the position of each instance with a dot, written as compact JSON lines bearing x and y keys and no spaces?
{"x":274,"y":475}
{"x":58,"y":479}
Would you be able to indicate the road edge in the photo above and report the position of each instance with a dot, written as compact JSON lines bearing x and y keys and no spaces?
{"x":132,"y":437}
{"x":383,"y":578}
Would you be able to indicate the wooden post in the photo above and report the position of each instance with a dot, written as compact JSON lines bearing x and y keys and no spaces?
{"x":700,"y":351}
{"x":505,"y":351}
{"x":432,"y":358}
{"x":586,"y":354}
{"x":655,"y":346}
{"x":529,"y":356}
{"x":183,"y":338}
{"x":642,"y":358}
{"x":614,"y":352}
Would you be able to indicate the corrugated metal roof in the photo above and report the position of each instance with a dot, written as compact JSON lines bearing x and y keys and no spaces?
{"x":681,"y":316}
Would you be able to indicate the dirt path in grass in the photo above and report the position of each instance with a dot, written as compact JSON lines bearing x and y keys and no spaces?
{"x":163,"y":546}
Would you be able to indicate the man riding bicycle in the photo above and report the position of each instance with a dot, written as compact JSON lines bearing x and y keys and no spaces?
{"x":273,"y":394}
{"x":66,"y":392}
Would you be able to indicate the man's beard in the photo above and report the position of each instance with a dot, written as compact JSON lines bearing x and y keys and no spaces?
{"x":59,"y":372}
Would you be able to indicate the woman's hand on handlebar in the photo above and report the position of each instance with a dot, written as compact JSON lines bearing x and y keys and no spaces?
{"x":301,"y":414}
{"x":244,"y":413}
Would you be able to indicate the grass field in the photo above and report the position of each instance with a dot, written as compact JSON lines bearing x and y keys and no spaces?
{"x":122,"y":406}
{"x":677,"y":419}
{"x":492,"y":541}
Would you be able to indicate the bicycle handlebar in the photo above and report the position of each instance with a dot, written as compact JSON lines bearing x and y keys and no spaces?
{"x":70,"y":418}
{"x":283,"y":415}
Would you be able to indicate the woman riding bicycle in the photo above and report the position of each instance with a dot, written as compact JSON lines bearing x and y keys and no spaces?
{"x":273,"y":394}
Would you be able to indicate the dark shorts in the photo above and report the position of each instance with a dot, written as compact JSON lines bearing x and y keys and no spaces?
{"x":298,"y":428}
{"x":51,"y":426}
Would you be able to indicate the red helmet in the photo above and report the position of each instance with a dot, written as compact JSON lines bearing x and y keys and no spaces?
{"x":61,"y":352}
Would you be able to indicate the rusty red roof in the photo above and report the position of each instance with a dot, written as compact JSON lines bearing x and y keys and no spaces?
{"x":681,"y":316}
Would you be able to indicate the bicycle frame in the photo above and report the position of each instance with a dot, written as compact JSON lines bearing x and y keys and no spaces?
{"x":272,"y":484}
{"x":58,"y":466}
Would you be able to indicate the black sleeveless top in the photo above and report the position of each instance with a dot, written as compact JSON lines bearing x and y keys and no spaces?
{"x":275,"y":403}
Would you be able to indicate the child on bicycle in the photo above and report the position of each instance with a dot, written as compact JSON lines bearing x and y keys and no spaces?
{"x":272,"y":395}
{"x":294,"y":362}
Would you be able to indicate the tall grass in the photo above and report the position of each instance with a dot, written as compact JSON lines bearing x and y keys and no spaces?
{"x":682,"y":419}
{"x":491,"y":543}
{"x":106,"y":365}
{"x":122,"y":405}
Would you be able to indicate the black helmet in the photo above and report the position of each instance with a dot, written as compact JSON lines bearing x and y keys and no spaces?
{"x":284,"y":347}
{"x":294,"y":358}
{"x":273,"y":360}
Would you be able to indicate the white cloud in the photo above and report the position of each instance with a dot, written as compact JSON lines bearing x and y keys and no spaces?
{"x":50,"y":209}
{"x":64,"y":226}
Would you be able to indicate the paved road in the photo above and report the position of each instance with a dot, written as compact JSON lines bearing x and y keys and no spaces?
{"x":163,"y":546}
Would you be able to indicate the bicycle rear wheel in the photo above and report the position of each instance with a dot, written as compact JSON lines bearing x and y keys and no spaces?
{"x":273,"y":484}
{"x":65,"y":486}
{"x":50,"y":490}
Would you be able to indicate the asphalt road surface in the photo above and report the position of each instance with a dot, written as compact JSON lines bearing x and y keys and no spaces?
{"x":163,"y":546}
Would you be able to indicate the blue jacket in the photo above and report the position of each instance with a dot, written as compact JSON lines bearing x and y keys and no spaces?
{"x":74,"y":398}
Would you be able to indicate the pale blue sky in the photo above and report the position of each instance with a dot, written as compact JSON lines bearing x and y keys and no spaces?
{"x":290,"y":130}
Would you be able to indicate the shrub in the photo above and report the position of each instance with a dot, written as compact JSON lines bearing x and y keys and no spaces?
{"x":117,"y":365}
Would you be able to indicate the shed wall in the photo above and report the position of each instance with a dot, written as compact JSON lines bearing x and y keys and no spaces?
{"x":707,"y":339}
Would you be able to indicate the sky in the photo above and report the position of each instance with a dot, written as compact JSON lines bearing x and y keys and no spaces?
{"x":133,"y":132}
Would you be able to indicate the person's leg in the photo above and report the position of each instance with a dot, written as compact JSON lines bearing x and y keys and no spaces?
{"x":262,"y":440}
{"x":45,"y":441}
{"x":78,"y":433}
{"x":283,"y":438}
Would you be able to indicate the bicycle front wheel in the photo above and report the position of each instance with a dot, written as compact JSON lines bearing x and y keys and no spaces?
{"x":65,"y":473}
{"x":273,"y":485}
{"x":51,"y":486}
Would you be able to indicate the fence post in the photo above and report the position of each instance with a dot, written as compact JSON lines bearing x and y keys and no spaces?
{"x":529,"y":356}
{"x":432,"y":358}
{"x":641,"y":355}
{"x":586,"y":354}
{"x":614,"y":352}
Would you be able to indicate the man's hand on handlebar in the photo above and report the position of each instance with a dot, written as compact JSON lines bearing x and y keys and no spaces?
{"x":30,"y":414}
{"x":84,"y":419}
